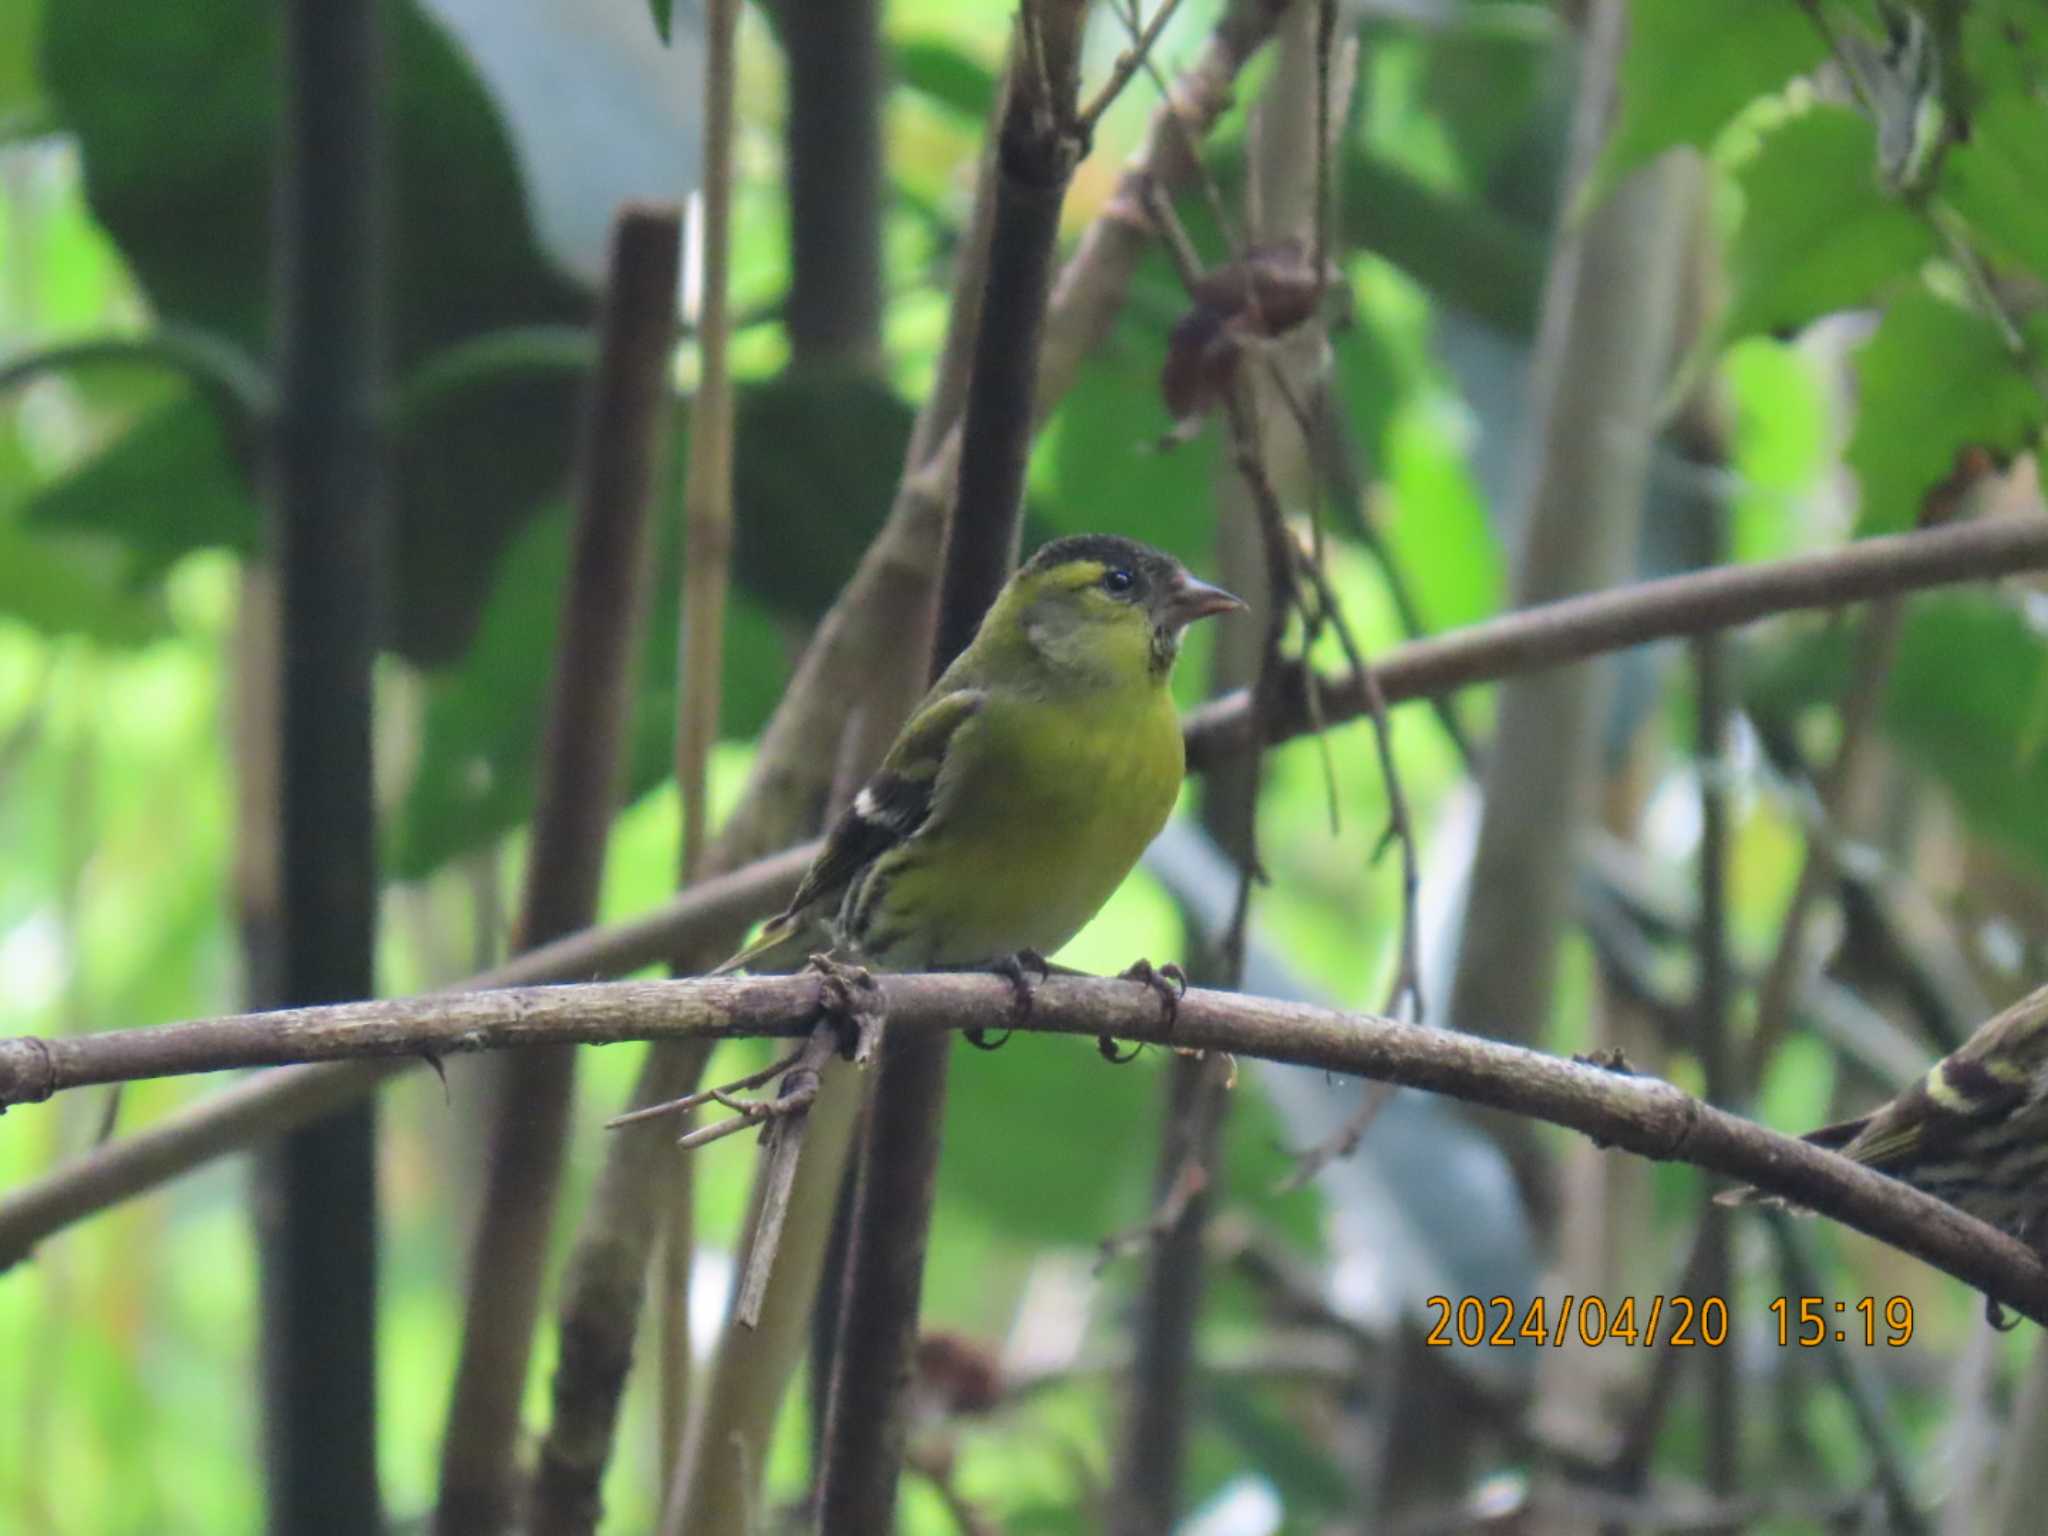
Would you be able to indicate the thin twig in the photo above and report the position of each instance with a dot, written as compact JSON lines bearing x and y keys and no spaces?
{"x":746,"y":1114}
{"x":703,"y":1096}
{"x":1188,"y":1181}
{"x":1127,"y":64}
{"x":1630,"y":1468}
{"x":1349,"y":1137}
{"x":1570,"y":629}
{"x":1407,"y":983}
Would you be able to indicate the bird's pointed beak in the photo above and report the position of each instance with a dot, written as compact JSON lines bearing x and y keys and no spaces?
{"x":1192,"y":600}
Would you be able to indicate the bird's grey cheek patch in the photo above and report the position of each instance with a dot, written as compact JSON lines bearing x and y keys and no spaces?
{"x":865,"y":805}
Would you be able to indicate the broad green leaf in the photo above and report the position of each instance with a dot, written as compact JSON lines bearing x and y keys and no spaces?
{"x":1100,"y":466}
{"x":1964,"y":694}
{"x":816,"y":457}
{"x":168,"y":486}
{"x":1935,"y":379}
{"x":20,"y":94}
{"x":1999,"y":179}
{"x":1048,"y":1141}
{"x":1439,"y":533}
{"x":2005,"y":47}
{"x":1691,"y":67}
{"x":1817,"y":233}
{"x":1487,"y":76}
{"x":1780,"y":444}
{"x":68,"y":587}
{"x":1458,"y":249}
{"x":947,"y":75}
{"x":481,"y":736}
{"x":186,"y":194}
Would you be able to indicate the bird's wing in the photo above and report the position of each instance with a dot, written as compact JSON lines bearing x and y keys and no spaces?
{"x":889,"y":810}
{"x":1960,"y":1092}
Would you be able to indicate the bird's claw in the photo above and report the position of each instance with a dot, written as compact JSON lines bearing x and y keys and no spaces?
{"x":1017,"y":969}
{"x":1169,"y":982}
{"x":851,"y":998}
{"x":1996,"y":1316}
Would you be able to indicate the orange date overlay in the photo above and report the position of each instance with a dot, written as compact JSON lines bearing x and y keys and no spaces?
{"x":1502,"y":1322}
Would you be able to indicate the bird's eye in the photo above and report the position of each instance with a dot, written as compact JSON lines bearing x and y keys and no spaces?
{"x":1117,"y":581}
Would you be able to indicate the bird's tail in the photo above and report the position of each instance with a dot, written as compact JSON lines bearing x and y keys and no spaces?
{"x":783,"y":945}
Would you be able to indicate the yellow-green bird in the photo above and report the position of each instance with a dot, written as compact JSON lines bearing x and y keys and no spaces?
{"x":1026,"y":784}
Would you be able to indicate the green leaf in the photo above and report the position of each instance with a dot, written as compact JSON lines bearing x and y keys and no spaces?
{"x":481,"y":737}
{"x":1072,"y":1177}
{"x":2005,"y":47}
{"x":69,"y":587}
{"x":1440,"y":535}
{"x":166,"y":487}
{"x":1962,"y":703}
{"x":1817,"y":233}
{"x":1935,"y":379}
{"x":187,"y":195}
{"x":1100,"y":466}
{"x":1487,"y":77}
{"x":663,"y":12}
{"x":20,"y":94}
{"x":1311,"y":1478}
{"x":1691,"y":67}
{"x":1459,"y":249}
{"x":946,"y":75}
{"x":816,"y":457}
{"x":1999,"y":179}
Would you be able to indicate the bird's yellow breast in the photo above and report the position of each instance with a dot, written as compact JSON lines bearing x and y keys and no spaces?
{"x":1046,"y":807}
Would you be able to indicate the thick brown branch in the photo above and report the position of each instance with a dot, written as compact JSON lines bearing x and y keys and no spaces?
{"x":1638,"y":1114}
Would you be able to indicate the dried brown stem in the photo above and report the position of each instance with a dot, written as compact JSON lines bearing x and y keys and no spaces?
{"x":690,"y":1101}
{"x":700,"y":655}
{"x":581,"y":759}
{"x":1128,"y":63}
{"x":707,"y":487}
{"x":781,"y":1150}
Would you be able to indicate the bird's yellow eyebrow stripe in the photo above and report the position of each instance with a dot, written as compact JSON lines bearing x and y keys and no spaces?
{"x":1076,"y":574}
